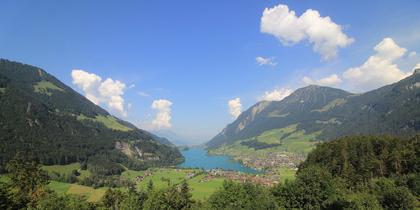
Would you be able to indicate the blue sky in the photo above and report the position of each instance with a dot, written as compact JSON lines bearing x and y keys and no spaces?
{"x":197,"y":55}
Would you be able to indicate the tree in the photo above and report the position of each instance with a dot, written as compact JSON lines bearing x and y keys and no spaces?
{"x":65,"y":202}
{"x":355,"y":201}
{"x":156,"y":200}
{"x":4,"y":196}
{"x":133,"y":201}
{"x":392,"y":196}
{"x":112,"y":198}
{"x":27,"y":181}
{"x":185,"y":195}
{"x":174,"y":197}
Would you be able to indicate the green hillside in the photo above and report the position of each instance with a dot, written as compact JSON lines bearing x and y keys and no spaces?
{"x":47,"y":120}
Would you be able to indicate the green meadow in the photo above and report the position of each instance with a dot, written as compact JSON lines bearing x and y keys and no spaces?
{"x":92,"y":195}
{"x":160,"y":177}
{"x":67,"y":169}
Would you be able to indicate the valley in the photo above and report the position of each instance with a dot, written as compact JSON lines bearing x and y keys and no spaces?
{"x":210,"y":105}
{"x":204,"y":179}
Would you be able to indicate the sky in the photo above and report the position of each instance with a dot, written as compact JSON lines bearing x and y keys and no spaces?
{"x":191,"y":67}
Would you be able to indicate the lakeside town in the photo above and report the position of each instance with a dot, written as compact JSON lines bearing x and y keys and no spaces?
{"x":272,"y":160}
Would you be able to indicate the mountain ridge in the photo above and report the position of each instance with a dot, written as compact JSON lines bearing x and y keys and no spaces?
{"x":332,"y":112}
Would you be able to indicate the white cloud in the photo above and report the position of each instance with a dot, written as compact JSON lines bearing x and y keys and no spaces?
{"x":265,"y":61}
{"x":332,"y":80}
{"x":325,"y":35}
{"x":379,"y":69}
{"x":163,"y":117}
{"x":109,"y":92}
{"x":88,"y":82}
{"x":412,"y":54}
{"x":235,"y":107}
{"x":144,"y":94}
{"x":276,"y":95}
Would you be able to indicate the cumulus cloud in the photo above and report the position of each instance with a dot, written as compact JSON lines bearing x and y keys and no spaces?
{"x":379,"y":69}
{"x":163,"y":117}
{"x":276,"y":95}
{"x":332,"y":80}
{"x":265,"y":61}
{"x":235,"y":107}
{"x":109,"y":92}
{"x":412,"y":54}
{"x":325,"y":35}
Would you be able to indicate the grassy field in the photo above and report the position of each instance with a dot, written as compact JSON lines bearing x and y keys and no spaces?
{"x":108,"y":121}
{"x":67,"y":169}
{"x":286,"y":174}
{"x":45,"y":87}
{"x":202,"y":190}
{"x":161,"y":176}
{"x":92,"y":195}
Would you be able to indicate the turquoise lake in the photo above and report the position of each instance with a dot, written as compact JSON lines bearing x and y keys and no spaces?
{"x":198,"y":158}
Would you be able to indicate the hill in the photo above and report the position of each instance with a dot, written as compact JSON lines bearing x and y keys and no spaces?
{"x":320,"y":113}
{"x":46,"y":119}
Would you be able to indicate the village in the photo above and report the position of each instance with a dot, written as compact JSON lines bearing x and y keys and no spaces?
{"x":266,"y":179}
{"x":271,"y":160}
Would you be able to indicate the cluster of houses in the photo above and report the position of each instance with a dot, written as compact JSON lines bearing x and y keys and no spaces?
{"x":262,"y":179}
{"x":272,"y":160}
{"x":146,"y":174}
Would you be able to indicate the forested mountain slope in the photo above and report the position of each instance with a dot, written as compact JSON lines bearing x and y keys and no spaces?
{"x":53,"y":123}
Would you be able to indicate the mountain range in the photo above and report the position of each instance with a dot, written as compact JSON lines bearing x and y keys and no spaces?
{"x":326,"y":113}
{"x":46,"y":119}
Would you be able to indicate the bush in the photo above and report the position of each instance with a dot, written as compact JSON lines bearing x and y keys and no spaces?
{"x":355,"y":201}
{"x":392,"y":196}
{"x":242,"y":196}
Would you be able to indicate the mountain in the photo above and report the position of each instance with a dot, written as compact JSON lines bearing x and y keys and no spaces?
{"x":163,"y":140}
{"x":173,"y":137}
{"x":41,"y":116}
{"x":324,"y":113}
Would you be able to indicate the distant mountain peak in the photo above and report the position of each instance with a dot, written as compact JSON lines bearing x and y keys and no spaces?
{"x":315,"y":94}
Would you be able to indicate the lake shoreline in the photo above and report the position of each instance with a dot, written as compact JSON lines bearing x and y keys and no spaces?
{"x":200,"y":158}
